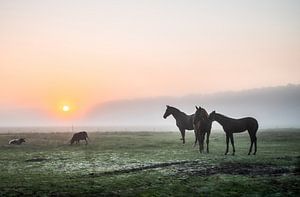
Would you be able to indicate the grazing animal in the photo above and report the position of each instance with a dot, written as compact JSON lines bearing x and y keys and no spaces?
{"x":183,"y":121}
{"x":79,"y":136}
{"x":231,"y":126}
{"x":17,"y":141}
{"x":202,"y":126}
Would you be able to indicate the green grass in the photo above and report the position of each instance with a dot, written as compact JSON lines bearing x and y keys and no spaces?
{"x":58,"y":169}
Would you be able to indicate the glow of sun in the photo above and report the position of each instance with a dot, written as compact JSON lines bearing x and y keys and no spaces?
{"x":66,"y":108}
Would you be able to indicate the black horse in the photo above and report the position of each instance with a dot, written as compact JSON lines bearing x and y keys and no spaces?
{"x":202,"y":126}
{"x":183,"y":121}
{"x":231,"y":126}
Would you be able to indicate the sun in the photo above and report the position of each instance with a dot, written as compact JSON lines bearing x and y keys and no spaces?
{"x":66,"y":108}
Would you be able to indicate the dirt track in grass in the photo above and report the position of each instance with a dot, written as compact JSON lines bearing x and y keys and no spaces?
{"x":200,"y":169}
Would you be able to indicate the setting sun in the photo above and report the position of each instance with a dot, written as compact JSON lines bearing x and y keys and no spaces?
{"x":66,"y":108}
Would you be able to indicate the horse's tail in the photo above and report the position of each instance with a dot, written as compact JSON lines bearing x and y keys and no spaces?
{"x":256,"y":126}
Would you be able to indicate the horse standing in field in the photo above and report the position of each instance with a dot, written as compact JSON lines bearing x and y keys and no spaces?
{"x":183,"y":121}
{"x":231,"y":125}
{"x":79,"y":136}
{"x":17,"y":141}
{"x":202,"y":126}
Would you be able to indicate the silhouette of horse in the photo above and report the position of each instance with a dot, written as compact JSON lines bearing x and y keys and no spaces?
{"x":183,"y":121}
{"x":202,"y":126}
{"x":79,"y":136}
{"x":231,"y":126}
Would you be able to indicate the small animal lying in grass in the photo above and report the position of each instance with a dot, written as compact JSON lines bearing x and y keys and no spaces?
{"x":79,"y":136}
{"x":17,"y":141}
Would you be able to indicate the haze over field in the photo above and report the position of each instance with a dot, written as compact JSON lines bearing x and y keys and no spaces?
{"x":274,"y":107}
{"x":118,"y":63}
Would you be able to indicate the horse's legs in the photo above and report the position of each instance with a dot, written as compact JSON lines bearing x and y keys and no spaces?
{"x":232,"y":143}
{"x":195,"y":131}
{"x":207,"y":141}
{"x":202,"y":141}
{"x":252,"y":140}
{"x":227,"y":142}
{"x":201,"y":146}
{"x":182,"y":131}
{"x":250,"y":149}
{"x":86,"y":142}
{"x":255,"y":145}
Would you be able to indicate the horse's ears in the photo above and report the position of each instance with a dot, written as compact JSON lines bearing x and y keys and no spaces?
{"x":167,"y":106}
{"x":198,"y":107}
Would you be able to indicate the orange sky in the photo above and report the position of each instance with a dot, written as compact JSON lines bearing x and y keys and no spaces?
{"x":83,"y":53}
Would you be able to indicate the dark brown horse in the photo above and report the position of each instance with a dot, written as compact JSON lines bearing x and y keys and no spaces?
{"x":79,"y":136}
{"x":231,"y":125}
{"x":183,"y":121}
{"x":202,"y":126}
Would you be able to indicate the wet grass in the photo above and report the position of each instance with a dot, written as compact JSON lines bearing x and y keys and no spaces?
{"x":149,"y":164}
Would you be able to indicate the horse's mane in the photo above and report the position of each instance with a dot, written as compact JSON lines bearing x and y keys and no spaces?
{"x":223,"y":116}
{"x":175,"y":109}
{"x":206,"y":114}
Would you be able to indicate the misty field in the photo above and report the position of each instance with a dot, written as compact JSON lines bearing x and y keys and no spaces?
{"x":149,"y":164}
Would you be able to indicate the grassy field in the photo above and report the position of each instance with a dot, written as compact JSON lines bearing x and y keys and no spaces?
{"x":149,"y":164}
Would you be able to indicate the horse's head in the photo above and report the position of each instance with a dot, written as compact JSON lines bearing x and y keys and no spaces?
{"x":200,"y":115}
{"x":22,"y":140}
{"x":168,"y":112}
{"x":212,"y":116}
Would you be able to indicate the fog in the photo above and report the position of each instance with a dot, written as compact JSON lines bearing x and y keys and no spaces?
{"x":273,"y":107}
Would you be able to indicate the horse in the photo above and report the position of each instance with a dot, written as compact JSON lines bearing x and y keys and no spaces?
{"x":17,"y":141}
{"x":202,"y":126}
{"x":183,"y":121}
{"x":231,"y":125}
{"x":79,"y":136}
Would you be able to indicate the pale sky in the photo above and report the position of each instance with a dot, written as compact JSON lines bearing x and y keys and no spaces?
{"x":82,"y":53}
